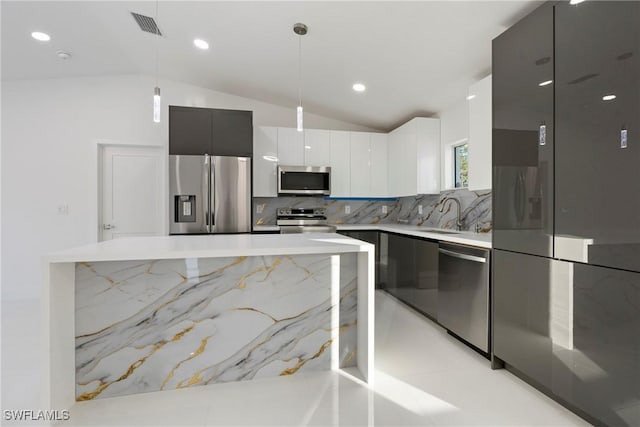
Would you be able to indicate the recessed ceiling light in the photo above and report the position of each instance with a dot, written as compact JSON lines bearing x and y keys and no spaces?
{"x":201,"y":44}
{"x":575,"y":1}
{"x":43,"y":37}
{"x":609,"y":97}
{"x":359,"y":87}
{"x":470,"y":97}
{"x":545,"y":83}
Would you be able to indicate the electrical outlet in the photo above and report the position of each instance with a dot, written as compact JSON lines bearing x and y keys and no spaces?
{"x":259,"y":209}
{"x":384,"y":209}
{"x":63,"y":209}
{"x":419,"y":209}
{"x":347,"y":209}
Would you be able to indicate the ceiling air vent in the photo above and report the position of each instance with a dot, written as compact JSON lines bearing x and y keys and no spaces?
{"x":146,"y":23}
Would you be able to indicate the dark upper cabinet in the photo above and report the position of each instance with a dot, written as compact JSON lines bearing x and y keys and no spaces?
{"x":232,"y":133}
{"x":190,"y":130}
{"x":197,"y":131}
{"x":597,"y":178}
{"x":523,"y":135}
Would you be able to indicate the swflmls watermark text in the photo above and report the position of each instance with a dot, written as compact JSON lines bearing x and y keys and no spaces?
{"x":35,"y":415}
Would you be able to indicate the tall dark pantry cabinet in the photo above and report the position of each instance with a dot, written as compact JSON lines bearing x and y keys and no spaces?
{"x":566,"y":180}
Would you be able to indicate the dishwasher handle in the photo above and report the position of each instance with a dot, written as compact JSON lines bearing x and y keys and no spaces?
{"x":462,"y":256}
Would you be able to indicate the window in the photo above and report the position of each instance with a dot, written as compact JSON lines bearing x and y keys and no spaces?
{"x":461,"y":165}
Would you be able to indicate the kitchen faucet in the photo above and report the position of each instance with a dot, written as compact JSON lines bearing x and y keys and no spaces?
{"x":444,"y":202}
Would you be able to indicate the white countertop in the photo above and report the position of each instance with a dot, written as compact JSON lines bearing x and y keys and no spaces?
{"x":222,"y":245}
{"x":481,"y":240}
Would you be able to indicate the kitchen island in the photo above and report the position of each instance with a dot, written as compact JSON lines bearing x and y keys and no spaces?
{"x":155,"y":313}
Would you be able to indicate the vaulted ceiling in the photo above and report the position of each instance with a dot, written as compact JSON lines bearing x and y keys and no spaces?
{"x":416,"y":57}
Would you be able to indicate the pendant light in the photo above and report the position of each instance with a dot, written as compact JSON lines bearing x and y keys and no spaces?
{"x":156,"y":90}
{"x":300,"y":29}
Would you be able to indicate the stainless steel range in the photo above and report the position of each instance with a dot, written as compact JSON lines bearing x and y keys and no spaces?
{"x":303,"y":220}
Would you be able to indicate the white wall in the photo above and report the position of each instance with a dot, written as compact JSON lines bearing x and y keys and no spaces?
{"x":454,"y":128}
{"x":49,"y":133}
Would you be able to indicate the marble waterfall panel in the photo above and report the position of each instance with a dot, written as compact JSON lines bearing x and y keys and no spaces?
{"x":165,"y":324}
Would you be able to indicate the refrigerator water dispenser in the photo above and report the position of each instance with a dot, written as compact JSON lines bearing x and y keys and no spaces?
{"x":185,"y":208}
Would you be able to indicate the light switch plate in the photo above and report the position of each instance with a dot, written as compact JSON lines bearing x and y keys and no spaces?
{"x":384,"y":209}
{"x":347,"y":209}
{"x":259,"y":209}
{"x":419,"y":209}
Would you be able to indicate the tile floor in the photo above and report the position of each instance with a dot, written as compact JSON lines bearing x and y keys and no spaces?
{"x":424,"y":378}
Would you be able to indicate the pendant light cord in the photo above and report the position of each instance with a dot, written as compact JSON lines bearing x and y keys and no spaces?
{"x":157,"y":41}
{"x":300,"y":70}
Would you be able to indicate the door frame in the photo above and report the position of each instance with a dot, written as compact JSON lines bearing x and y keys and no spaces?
{"x":98,"y":157}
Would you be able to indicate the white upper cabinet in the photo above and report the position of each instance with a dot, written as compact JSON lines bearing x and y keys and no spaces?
{"x":265,"y":161}
{"x":428,"y":152}
{"x":480,"y":129}
{"x":317,"y":147}
{"x":378,"y":165}
{"x":290,"y":147}
{"x":340,"y":164}
{"x":414,"y":158}
{"x":360,"y":164}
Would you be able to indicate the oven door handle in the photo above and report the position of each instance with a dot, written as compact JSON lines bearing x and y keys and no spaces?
{"x":463,"y":256}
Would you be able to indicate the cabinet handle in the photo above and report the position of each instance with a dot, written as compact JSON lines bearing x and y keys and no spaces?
{"x":463,"y":256}
{"x":542,"y":134}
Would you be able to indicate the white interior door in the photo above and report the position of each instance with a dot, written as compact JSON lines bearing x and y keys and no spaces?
{"x":132,"y":192}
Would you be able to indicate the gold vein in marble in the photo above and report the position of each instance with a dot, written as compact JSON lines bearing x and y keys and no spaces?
{"x":198,"y":352}
{"x":242,"y":282}
{"x":302,"y":362}
{"x":135,"y":365}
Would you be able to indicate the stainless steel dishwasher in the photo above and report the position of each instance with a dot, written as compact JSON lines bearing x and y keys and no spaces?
{"x":463,"y":293}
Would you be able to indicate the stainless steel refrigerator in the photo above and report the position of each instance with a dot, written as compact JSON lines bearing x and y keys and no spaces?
{"x":209,"y":194}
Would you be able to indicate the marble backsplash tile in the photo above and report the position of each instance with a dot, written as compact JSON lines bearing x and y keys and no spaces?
{"x":475,"y":206}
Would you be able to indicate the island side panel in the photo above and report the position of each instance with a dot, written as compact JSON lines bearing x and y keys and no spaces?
{"x":165,"y":324}
{"x":57,"y":304}
{"x":366,"y":314}
{"x":348,"y":311}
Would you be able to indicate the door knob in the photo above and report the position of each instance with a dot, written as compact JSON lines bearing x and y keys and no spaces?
{"x":108,"y":226}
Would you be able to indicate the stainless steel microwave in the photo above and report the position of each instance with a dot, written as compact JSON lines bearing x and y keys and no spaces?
{"x":304,"y":180}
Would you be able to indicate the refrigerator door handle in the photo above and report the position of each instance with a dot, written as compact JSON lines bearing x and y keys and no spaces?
{"x":212,"y":192}
{"x":206,"y":206}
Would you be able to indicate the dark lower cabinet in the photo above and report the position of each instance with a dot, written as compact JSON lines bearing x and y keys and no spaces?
{"x":573,"y":330}
{"x":409,"y":271}
{"x":372,"y":237}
